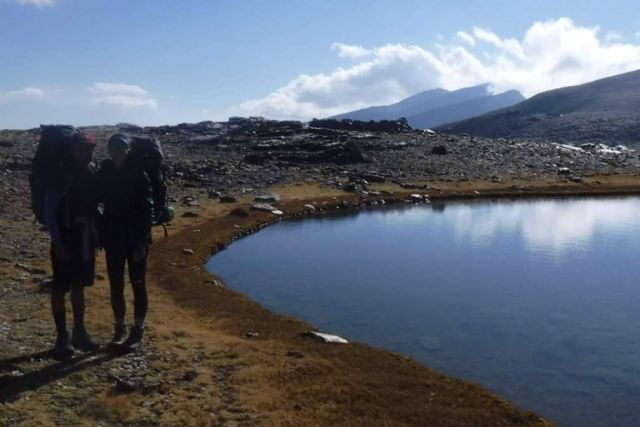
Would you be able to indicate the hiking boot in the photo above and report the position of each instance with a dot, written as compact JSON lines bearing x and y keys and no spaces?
{"x":63,"y":348}
{"x":119,"y":334}
{"x":82,"y":341}
{"x":134,"y":342}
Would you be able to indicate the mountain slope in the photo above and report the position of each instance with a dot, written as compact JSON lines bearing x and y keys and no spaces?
{"x":432,"y":101}
{"x":464,"y":110}
{"x":606,"y":110}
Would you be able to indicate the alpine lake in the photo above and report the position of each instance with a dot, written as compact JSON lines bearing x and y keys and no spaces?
{"x":537,"y":300}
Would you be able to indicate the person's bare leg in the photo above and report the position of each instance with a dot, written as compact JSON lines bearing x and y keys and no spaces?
{"x":59,"y":310}
{"x":77,"y":304}
{"x":63,"y":346}
{"x":81,"y":339}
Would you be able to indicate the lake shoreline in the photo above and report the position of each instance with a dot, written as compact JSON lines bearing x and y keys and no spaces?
{"x":247,"y":316}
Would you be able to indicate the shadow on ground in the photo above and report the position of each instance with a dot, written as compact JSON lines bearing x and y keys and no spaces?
{"x":13,"y":382}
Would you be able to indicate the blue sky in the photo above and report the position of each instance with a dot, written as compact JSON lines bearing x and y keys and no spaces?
{"x":166,"y":61}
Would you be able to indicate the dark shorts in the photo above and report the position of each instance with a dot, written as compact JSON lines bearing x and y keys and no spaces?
{"x":79,"y":270}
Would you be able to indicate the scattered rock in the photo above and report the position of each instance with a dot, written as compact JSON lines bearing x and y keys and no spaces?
{"x":127,"y":386}
{"x":214,"y":194}
{"x":187,"y":251}
{"x":258,"y":159}
{"x":374,"y":178}
{"x":263,"y":207}
{"x":31,"y":270}
{"x":439,"y":150}
{"x":389,"y":126}
{"x":190,"y":214}
{"x":327,"y":338}
{"x":310,"y":208}
{"x":252,"y":334}
{"x":295,"y":354}
{"x":267,"y":198}
{"x":228,"y":199}
{"x":190,"y":376}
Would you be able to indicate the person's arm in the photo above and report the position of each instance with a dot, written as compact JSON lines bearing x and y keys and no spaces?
{"x":51,"y":201}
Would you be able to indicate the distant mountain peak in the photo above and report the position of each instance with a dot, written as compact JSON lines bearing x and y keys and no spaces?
{"x":433,"y":107}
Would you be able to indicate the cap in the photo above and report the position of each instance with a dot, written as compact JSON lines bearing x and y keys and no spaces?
{"x":120,"y":139}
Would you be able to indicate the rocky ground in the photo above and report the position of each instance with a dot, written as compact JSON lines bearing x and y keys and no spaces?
{"x":193,"y":371}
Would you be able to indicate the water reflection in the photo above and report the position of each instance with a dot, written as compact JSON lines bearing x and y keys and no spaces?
{"x":552,"y":226}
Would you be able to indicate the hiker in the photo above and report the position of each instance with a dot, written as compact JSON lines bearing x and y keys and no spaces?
{"x":70,"y":211}
{"x":126,"y":194}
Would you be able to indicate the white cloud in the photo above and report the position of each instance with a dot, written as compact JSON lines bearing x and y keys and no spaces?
{"x":613,"y":36}
{"x":487,"y":36}
{"x":26,"y":93}
{"x":466,"y":37}
{"x":117,"y":88}
{"x":350,"y":51}
{"x":37,"y":3}
{"x":550,"y":54}
{"x":126,"y":101}
{"x":122,"y":94}
{"x":508,"y":46}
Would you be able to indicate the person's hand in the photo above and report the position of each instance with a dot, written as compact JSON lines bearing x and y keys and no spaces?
{"x":139,"y":252}
{"x":60,"y":252}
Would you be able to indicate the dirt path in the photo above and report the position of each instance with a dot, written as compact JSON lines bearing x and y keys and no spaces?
{"x":214,"y":357}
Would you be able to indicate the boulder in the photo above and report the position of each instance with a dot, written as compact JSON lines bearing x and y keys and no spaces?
{"x":564,"y":171}
{"x":439,"y":150}
{"x":327,"y":338}
{"x":263,"y":207}
{"x":267,"y":198}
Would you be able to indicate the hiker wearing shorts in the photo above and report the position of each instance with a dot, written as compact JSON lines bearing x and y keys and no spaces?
{"x":126,"y":194}
{"x":70,"y":213}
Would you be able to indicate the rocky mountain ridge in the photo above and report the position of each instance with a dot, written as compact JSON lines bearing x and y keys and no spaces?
{"x":602,"y":111}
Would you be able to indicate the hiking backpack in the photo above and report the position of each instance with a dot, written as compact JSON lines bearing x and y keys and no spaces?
{"x":50,"y":164}
{"x":146,"y":153}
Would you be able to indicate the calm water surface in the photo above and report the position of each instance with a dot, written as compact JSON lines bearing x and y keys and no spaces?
{"x":538,"y":301}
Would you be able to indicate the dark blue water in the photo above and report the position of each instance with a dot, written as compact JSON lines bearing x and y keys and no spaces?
{"x":538,"y":301}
